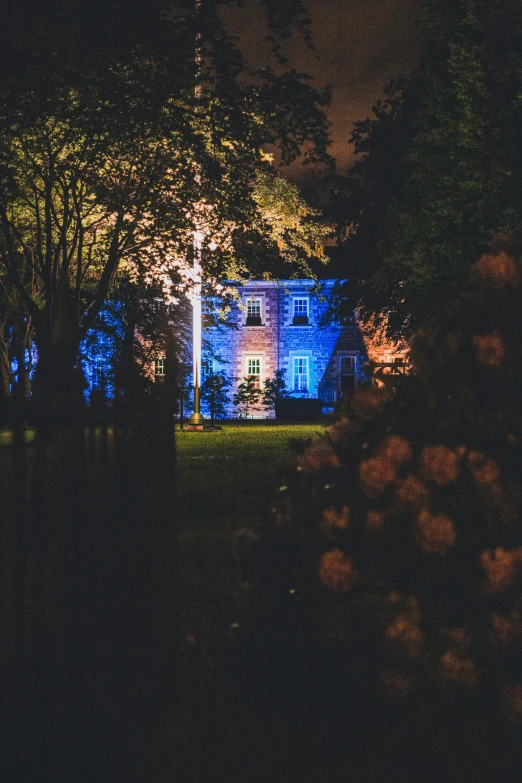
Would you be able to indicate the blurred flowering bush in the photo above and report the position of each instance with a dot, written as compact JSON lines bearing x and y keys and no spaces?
{"x":410,"y":507}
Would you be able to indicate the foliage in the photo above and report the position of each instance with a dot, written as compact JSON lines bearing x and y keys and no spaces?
{"x":360,"y":201}
{"x":449,"y":143}
{"x":117,"y":153}
{"x":16,"y":353}
{"x":247,"y":396}
{"x":460,"y":191}
{"x":289,"y":232}
{"x":101,"y":354}
{"x":103,"y":499}
{"x":214,"y":391}
{"x":410,"y":510}
{"x":274,"y":389}
{"x":381,"y":144}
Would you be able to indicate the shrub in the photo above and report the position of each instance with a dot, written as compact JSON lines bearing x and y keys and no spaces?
{"x":247,"y":397}
{"x":274,"y":390}
{"x":409,"y":511}
{"x":298,"y":408}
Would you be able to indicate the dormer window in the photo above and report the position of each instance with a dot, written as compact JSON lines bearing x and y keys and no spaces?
{"x":347,"y":319}
{"x":300,"y":314}
{"x":347,"y":365}
{"x":253,"y":311}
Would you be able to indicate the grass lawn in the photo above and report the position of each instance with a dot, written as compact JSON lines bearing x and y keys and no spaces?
{"x":229,"y":476}
{"x":226,"y":480}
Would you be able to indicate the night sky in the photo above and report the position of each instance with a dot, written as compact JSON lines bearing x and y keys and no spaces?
{"x":360,"y":46}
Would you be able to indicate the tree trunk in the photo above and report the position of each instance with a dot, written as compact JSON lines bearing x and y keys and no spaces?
{"x":126,"y":370}
{"x":171,"y":366}
{"x":19,"y":385}
{"x":5,"y":394}
{"x":5,"y":376}
{"x":15,"y":341}
{"x":59,"y":381}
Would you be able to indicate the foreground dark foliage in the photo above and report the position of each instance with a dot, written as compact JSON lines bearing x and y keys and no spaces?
{"x":88,"y":602}
{"x":385,"y":597}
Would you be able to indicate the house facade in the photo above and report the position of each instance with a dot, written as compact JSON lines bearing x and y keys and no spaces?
{"x":273,"y":326}
{"x":283,"y":325}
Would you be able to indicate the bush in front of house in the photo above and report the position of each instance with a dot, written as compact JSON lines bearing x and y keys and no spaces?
{"x":405,"y":523}
{"x":299,"y":409}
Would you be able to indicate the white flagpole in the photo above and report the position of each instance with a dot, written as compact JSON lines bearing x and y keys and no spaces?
{"x":196,"y":420}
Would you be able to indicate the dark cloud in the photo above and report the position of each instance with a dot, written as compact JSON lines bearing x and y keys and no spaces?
{"x":360,"y":46}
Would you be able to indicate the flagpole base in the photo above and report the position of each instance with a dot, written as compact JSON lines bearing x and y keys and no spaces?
{"x":195,"y":423}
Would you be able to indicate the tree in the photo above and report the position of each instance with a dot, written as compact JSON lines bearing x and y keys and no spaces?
{"x":111,"y":161}
{"x":16,"y":354}
{"x":454,"y":174}
{"x":274,"y":389}
{"x":405,"y":523}
{"x":214,"y":392}
{"x":247,"y":396}
{"x":360,"y":200}
{"x":462,"y":189}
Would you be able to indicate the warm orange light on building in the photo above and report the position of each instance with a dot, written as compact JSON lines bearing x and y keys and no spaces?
{"x":389,"y":358}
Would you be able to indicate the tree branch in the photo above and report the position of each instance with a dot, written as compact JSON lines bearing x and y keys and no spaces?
{"x":102,"y":289}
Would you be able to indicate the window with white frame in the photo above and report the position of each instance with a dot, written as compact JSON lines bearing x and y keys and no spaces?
{"x":300,"y":310}
{"x":300,"y":373}
{"x":347,"y":365}
{"x":253,"y":370}
{"x":159,"y":367}
{"x":254,"y":312}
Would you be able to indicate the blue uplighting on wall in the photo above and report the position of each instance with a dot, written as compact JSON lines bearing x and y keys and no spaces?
{"x":99,"y":352}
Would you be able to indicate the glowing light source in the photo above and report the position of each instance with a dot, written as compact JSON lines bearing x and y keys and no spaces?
{"x":196,"y":420}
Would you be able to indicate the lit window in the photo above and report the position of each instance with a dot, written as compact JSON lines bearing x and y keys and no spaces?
{"x":395,"y":361}
{"x":253,"y":314}
{"x":208,"y":315}
{"x":347,"y":365}
{"x":206,"y":368}
{"x":300,"y":373}
{"x":159,"y":368}
{"x":253,"y":370}
{"x":301,"y":311}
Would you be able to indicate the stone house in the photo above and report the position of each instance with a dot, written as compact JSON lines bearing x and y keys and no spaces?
{"x":276,"y":325}
{"x":284,"y":325}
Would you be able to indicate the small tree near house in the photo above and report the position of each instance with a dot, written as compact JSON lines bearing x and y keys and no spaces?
{"x":214,"y":391}
{"x":248,"y":396}
{"x":274,"y":390}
